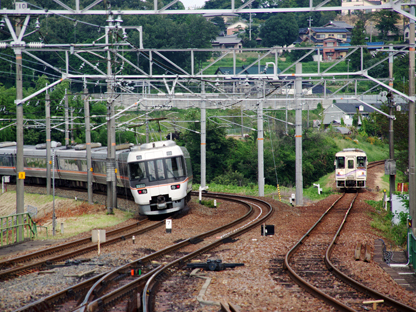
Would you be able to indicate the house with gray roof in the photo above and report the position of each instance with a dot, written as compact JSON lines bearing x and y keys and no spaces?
{"x":345,"y":111}
{"x":227,"y":42}
{"x":339,"y":24}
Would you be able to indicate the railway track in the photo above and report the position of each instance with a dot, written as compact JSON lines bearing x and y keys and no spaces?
{"x":119,"y":289}
{"x":375,"y":164}
{"x":39,"y":260}
{"x":309,"y":265}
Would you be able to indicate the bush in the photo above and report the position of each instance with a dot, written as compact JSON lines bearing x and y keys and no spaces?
{"x":208,"y":203}
{"x":231,"y":178}
{"x":370,"y":140}
{"x":382,"y":221}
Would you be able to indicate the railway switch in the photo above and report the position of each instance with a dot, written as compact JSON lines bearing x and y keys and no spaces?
{"x":214,"y":265}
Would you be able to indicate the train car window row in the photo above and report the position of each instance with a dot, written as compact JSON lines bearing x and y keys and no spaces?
{"x":99,"y":167}
{"x":72,"y":164}
{"x":34,"y":162}
{"x":159,"y":169}
{"x":6,"y":160}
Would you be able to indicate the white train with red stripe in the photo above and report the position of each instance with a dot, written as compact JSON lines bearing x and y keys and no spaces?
{"x":164,"y":186}
{"x":160,"y":175}
{"x":351,"y":169}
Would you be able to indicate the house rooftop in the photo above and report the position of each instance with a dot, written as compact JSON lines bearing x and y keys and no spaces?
{"x":232,"y":39}
{"x":219,"y":14}
{"x":329,"y":29}
{"x":352,"y":107}
{"x":339,"y":24}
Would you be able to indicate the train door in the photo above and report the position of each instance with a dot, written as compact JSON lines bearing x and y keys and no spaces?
{"x":350,"y":168}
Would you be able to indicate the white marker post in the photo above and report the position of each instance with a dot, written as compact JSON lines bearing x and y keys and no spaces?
{"x":168,"y":225}
{"x":98,"y":241}
{"x":6,"y":179}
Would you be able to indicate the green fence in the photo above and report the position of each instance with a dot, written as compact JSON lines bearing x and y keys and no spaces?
{"x":15,"y":228}
{"x":411,"y":247}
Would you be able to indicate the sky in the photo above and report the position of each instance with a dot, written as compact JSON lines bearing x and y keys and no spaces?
{"x":192,"y":3}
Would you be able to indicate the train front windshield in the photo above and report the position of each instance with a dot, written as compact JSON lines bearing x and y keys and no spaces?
{"x":157,"y":169}
{"x":340,"y":162}
{"x":361,"y":160}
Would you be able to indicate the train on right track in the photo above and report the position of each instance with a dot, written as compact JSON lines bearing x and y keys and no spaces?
{"x":351,"y":169}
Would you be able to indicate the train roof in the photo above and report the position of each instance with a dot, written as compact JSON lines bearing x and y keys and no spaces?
{"x":351,"y":150}
{"x":62,"y":151}
{"x":159,"y":149}
{"x":154,"y":145}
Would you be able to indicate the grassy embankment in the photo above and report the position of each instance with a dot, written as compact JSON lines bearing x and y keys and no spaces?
{"x":77,"y":216}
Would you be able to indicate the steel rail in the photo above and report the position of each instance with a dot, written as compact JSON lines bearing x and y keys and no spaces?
{"x":54,"y":249}
{"x":303,"y":283}
{"x":101,"y":284}
{"x":375,"y":163}
{"x":47,"y":303}
{"x":96,"y":284}
{"x":6,"y":273}
{"x":153,"y":281}
{"x":355,"y":284}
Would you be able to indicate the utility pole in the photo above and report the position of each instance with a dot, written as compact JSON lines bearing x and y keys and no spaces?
{"x":392,"y":177}
{"x":298,"y":136}
{"x":66,"y":119}
{"x":309,"y":29}
{"x":412,"y":179}
{"x":72,"y":125}
{"x":250,"y":25}
{"x":203,"y":137}
{"x":48,"y":142}
{"x":88,"y":144}
{"x":20,"y":179}
{"x":111,"y":145}
{"x":260,"y":140}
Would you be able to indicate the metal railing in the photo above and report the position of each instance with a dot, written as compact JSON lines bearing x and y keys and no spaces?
{"x":13,"y":228}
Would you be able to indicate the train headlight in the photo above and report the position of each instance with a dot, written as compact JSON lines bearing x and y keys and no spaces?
{"x":142,"y":191}
{"x":175,"y":187}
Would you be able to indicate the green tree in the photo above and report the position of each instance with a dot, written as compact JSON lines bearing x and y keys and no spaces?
{"x":385,"y":22}
{"x":297,"y":54}
{"x":221,"y":4}
{"x":219,"y":22}
{"x":281,"y":29}
{"x":358,"y":38}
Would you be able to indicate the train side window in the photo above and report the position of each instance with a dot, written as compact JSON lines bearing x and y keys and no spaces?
{"x":350,"y":164}
{"x":34,"y":162}
{"x":340,"y":162}
{"x":174,"y":167}
{"x":360,"y":162}
{"x":6,"y":160}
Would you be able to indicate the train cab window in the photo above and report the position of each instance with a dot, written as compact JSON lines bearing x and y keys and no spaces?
{"x":361,"y":161}
{"x":137,"y":171}
{"x":160,"y":169}
{"x":151,"y":170}
{"x":350,"y":164}
{"x":340,"y":162}
{"x":174,"y":167}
